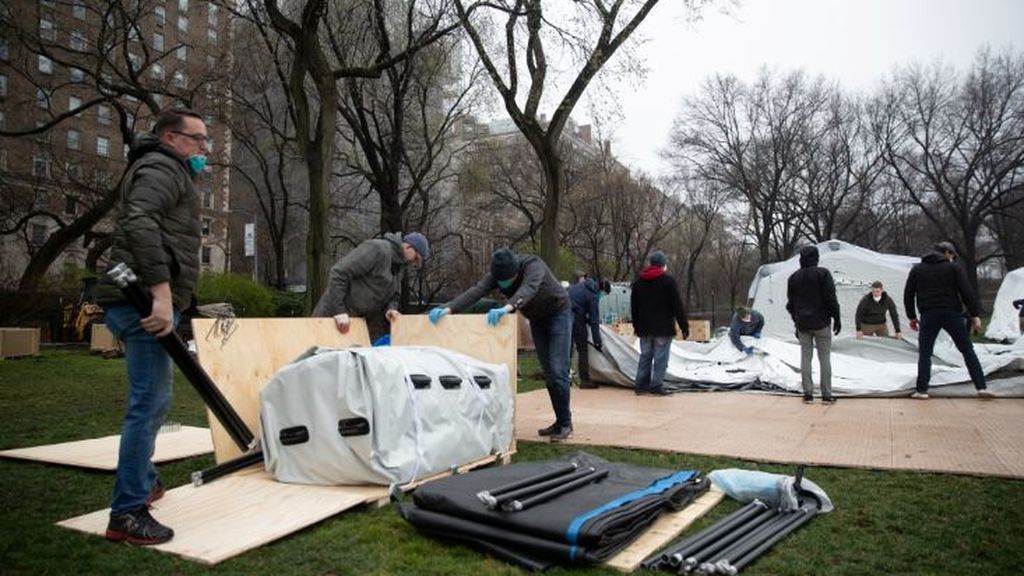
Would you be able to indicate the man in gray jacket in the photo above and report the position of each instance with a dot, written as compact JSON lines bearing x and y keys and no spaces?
{"x":366,"y":281}
{"x":157,"y":234}
{"x":531,"y":288}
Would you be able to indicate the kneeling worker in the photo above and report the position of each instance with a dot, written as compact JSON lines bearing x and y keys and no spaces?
{"x":745,"y":322}
{"x":870,"y":318}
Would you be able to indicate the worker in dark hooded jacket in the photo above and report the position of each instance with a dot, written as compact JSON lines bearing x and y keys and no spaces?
{"x":656,"y":308}
{"x":531,"y":288}
{"x":939,"y":288}
{"x":585,"y":312}
{"x":366,"y":282}
{"x":811,"y":302}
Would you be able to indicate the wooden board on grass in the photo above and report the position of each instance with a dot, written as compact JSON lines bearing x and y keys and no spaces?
{"x":241,"y":356}
{"x":663,"y":531}
{"x":101,"y":453}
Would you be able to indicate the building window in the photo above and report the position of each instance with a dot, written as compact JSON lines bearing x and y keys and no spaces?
{"x":74,"y":103}
{"x":78,"y":9}
{"x":207,"y":198}
{"x":40,"y":167}
{"x":158,"y":41}
{"x":77,"y":75}
{"x":182,"y":5}
{"x":206,"y":254}
{"x":46,"y":30}
{"x":183,"y":24}
{"x":180,"y":79}
{"x":74,"y":172}
{"x":42,"y":99}
{"x":125,"y":151}
{"x":103,"y":114}
{"x":206,"y":226}
{"x":45,"y":65}
{"x":182,"y":53}
{"x":160,"y":16}
{"x":211,"y":62}
{"x":157,"y":71}
{"x":38,"y":234}
{"x":211,"y":13}
{"x":102,"y":146}
{"x":130,"y":118}
{"x":211,"y":36}
{"x":74,"y":137}
{"x":70,"y":205}
{"x":77,"y":41}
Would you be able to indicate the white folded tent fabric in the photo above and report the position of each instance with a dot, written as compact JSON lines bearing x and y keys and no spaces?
{"x":1005,"y":322}
{"x":866,"y":367}
{"x":363,"y":415}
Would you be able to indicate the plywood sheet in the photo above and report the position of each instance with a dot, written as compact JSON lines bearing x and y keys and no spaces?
{"x":663,"y":531}
{"x":242,"y":356}
{"x":957,"y":435}
{"x":225,"y":518}
{"x":101,"y":453}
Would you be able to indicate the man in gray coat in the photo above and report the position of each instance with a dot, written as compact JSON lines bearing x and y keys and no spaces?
{"x":157,"y":234}
{"x":366,"y":281}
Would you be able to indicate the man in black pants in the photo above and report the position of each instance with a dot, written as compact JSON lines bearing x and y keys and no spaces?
{"x":940,"y":289}
{"x":584,"y":297}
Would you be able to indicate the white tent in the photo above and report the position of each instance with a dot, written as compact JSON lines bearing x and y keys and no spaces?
{"x":1005,"y":323}
{"x":853,"y":268}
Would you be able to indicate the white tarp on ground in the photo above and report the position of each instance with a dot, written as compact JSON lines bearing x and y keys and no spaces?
{"x":853,"y":268}
{"x":1005,"y":322}
{"x":867,"y":367}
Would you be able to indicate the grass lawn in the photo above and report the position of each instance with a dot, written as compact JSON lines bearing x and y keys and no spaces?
{"x":885,"y":522}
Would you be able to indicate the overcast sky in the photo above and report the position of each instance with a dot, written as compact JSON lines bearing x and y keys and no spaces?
{"x":856,"y":42}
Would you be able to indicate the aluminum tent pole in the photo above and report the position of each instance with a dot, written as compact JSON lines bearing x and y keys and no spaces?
{"x":675,"y":555}
{"x":517,"y":505}
{"x":223,"y":469}
{"x":712,"y":564}
{"x":127,"y":281}
{"x":805,"y":516}
{"x":488,"y":497}
{"x":542,"y":486}
{"x":694,"y":560}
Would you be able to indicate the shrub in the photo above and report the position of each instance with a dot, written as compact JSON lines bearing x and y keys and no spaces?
{"x":250,"y":300}
{"x":289,"y":304}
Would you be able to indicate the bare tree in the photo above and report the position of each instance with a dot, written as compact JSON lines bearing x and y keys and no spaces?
{"x":603,"y":26}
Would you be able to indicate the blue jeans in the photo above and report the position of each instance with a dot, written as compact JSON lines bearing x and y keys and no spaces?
{"x":149,"y":397}
{"x":654,"y":351}
{"x":952,"y":321}
{"x":552,"y":337}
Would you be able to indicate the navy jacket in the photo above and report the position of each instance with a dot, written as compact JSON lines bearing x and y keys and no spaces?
{"x":583,"y":296}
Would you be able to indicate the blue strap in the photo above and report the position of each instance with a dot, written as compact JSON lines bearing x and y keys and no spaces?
{"x":657,"y":487}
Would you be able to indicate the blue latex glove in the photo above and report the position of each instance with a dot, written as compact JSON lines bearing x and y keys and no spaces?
{"x":436,"y":314}
{"x":749,"y":350}
{"x":756,"y":334}
{"x":494,"y":315}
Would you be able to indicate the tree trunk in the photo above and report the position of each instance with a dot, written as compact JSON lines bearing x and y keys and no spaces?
{"x":554,"y":180}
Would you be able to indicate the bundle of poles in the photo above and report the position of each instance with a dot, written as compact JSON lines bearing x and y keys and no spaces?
{"x":142,"y":301}
{"x":527,"y":492}
{"x":732,"y":543}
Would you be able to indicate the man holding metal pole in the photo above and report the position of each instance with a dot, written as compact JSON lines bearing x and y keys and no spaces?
{"x":158,"y":235}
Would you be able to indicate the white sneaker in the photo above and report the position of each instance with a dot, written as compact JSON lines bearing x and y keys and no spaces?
{"x":985,"y":395}
{"x":919,"y":395}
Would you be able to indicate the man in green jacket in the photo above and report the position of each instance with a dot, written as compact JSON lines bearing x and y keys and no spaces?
{"x":870,"y":318}
{"x":157,"y":234}
{"x":366,"y":281}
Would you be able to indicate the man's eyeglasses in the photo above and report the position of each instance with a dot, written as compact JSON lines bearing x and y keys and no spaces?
{"x":199,"y":138}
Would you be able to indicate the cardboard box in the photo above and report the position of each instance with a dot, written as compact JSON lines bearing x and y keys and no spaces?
{"x":700,"y":330}
{"x":103,"y":340}
{"x":16,"y":342}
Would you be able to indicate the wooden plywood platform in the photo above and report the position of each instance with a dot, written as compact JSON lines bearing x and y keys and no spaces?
{"x":101,"y":453}
{"x":663,"y":531}
{"x":956,"y":435}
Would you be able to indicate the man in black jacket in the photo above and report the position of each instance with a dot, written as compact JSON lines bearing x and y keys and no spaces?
{"x":157,"y":234}
{"x":870,"y":317}
{"x":939,"y":288}
{"x":811,"y":302}
{"x":531,"y":288}
{"x":585,"y":312}
{"x":656,"y":308}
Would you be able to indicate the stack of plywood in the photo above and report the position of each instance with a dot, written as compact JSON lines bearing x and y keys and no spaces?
{"x":102,"y":340}
{"x":700,"y":330}
{"x":16,"y":342}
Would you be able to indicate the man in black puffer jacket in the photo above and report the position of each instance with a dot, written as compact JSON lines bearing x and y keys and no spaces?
{"x":939,"y":288}
{"x":811,"y":302}
{"x":656,"y":308}
{"x":158,"y":235}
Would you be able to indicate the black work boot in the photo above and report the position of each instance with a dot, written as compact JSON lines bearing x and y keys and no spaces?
{"x":137,"y":527}
{"x":563,"y":433}
{"x":549,"y":430}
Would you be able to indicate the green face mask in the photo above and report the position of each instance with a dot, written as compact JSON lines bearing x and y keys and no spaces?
{"x":504,"y":284}
{"x":196,"y":164}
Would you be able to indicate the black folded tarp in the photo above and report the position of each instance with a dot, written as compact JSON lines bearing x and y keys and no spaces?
{"x":587,"y":524}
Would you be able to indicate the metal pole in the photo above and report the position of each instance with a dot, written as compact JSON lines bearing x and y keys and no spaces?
{"x":223,"y":469}
{"x":676,"y":555}
{"x":748,"y":542}
{"x":805,"y":514}
{"x":693,"y":561}
{"x":541,"y":486}
{"x":126,"y":280}
{"x":488,"y":496}
{"x":517,"y":505}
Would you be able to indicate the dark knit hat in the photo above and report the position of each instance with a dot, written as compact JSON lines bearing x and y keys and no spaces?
{"x":658,"y":258}
{"x":419,"y":243}
{"x":504,"y":264}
